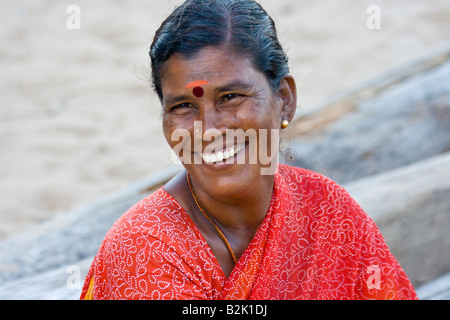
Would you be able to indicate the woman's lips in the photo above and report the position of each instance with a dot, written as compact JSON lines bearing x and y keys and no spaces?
{"x":223,"y":155}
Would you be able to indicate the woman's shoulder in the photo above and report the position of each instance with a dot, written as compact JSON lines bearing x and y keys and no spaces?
{"x":158,"y":206}
{"x":318,"y":193}
{"x":158,"y":216}
{"x":154,"y":237}
{"x":304,"y":176}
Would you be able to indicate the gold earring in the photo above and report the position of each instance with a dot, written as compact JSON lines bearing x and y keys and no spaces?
{"x":284,"y":124}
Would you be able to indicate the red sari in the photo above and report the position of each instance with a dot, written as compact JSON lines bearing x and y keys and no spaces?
{"x":314,"y":243}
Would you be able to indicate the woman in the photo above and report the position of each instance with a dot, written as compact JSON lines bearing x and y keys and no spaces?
{"x":228,"y":227}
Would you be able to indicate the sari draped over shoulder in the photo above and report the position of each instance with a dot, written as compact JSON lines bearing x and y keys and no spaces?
{"x":315,"y":242}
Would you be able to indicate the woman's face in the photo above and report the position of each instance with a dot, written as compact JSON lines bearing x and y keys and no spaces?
{"x":205,"y":99}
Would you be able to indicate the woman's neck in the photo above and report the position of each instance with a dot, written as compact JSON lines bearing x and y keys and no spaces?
{"x":241,"y":212}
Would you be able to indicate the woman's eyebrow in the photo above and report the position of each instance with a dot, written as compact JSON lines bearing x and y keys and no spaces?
{"x":235,"y":85}
{"x":169,"y":99}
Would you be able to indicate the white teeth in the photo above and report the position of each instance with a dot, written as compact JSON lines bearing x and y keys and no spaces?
{"x":220,"y":156}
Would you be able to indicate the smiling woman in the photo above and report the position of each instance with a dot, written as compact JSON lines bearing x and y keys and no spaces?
{"x":222,"y":229}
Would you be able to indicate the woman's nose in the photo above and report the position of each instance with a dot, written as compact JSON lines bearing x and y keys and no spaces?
{"x":213,"y":125}
{"x":211,"y":118}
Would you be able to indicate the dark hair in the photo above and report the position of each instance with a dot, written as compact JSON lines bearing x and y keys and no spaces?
{"x":243,"y":25}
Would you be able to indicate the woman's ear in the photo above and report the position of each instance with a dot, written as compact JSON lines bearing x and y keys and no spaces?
{"x":288,"y":94}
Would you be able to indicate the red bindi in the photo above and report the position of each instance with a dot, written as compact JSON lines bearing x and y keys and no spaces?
{"x":198,"y":92}
{"x":197,"y":89}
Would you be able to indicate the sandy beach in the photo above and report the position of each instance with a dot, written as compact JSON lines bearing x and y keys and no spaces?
{"x":78,"y":117}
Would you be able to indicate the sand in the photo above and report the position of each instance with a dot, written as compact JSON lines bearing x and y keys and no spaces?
{"x":78,"y":118}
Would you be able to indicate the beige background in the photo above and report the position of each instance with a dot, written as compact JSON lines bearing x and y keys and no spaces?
{"x":79,"y":120}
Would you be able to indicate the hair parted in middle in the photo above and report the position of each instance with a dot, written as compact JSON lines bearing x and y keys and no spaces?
{"x":239,"y":25}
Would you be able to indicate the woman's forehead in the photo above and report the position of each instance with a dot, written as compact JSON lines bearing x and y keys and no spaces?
{"x":210,"y":65}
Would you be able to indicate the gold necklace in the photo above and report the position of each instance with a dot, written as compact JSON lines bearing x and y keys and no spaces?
{"x":210,"y":219}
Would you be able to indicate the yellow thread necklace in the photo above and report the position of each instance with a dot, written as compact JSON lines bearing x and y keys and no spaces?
{"x":210,"y":219}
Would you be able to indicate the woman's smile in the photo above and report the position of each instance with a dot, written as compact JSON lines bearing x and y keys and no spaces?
{"x":222,"y":156}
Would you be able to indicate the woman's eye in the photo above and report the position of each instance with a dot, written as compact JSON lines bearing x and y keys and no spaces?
{"x":185,"y":105}
{"x":229,"y":97}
